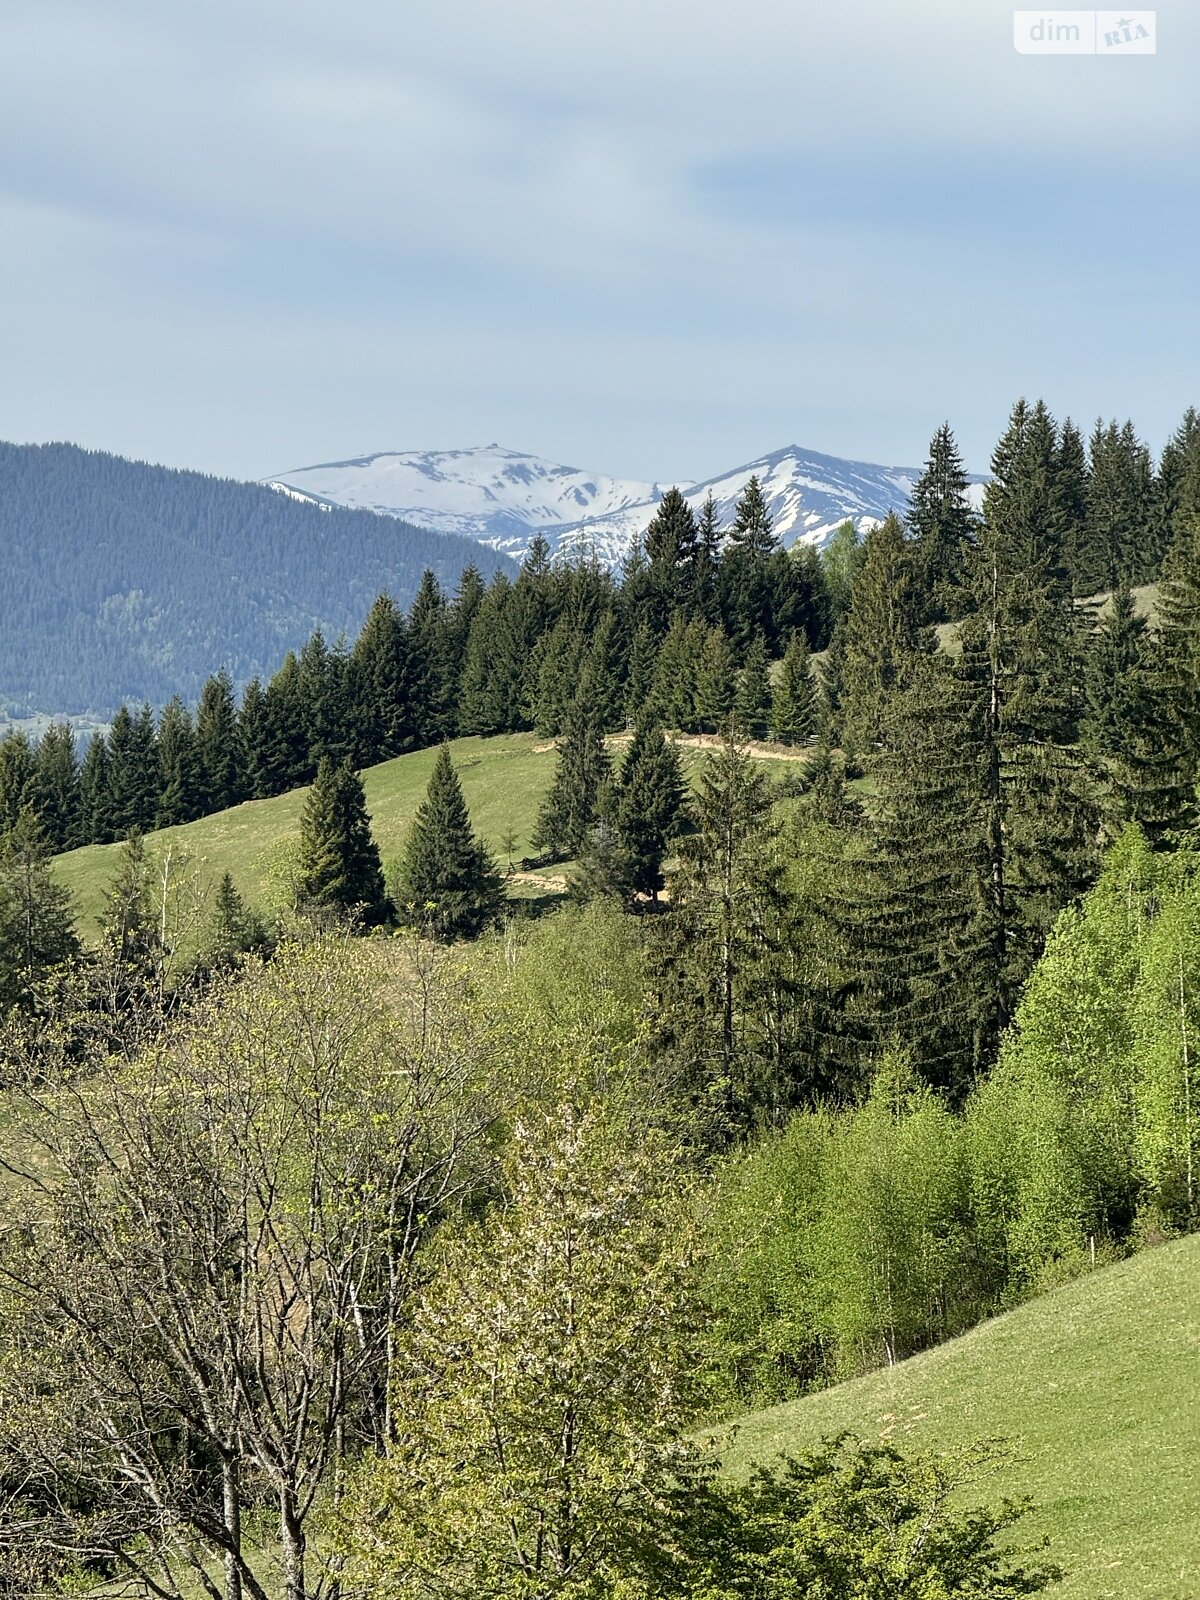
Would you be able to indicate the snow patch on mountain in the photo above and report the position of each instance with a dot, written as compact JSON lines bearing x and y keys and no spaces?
{"x":503,"y":497}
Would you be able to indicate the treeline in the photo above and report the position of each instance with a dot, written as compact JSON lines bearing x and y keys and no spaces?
{"x":686,"y":632}
{"x":126,"y":581}
{"x":692,"y":607}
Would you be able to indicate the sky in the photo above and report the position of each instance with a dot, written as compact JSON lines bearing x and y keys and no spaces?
{"x":655,"y":238}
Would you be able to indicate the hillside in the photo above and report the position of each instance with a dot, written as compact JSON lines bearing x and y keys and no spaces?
{"x":504,"y":780}
{"x":125,"y":581}
{"x":1096,"y":1386}
{"x":503,"y":497}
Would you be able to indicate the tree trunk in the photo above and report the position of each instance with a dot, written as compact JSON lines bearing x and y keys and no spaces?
{"x":291,"y":1537}
{"x":232,"y":1509}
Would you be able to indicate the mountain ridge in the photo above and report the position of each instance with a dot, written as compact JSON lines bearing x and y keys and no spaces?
{"x":503,"y":497}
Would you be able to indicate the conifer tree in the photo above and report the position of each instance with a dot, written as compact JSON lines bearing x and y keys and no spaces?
{"x":577,"y":793}
{"x":129,"y":935}
{"x":284,"y":760}
{"x":708,"y":560}
{"x":235,"y":929}
{"x":133,"y":772}
{"x":1073,"y":487}
{"x":752,"y":529}
{"x":752,"y":703}
{"x":18,"y":777}
{"x":57,"y":788}
{"x":794,"y":698}
{"x":430,"y":664}
{"x":672,"y":694}
{"x":222,"y":761}
{"x":1115,"y":692}
{"x":942,"y":528}
{"x":1177,"y":488}
{"x":722,"y":964}
{"x":672,"y":543}
{"x":464,"y":608}
{"x":447,"y":884}
{"x":37,"y":924}
{"x":95,"y":810}
{"x":1119,"y":528}
{"x":339,"y":867}
{"x":643,"y":658}
{"x":917,"y":920}
{"x":716,"y":682}
{"x":483,"y":705}
{"x":881,"y":637}
{"x":647,"y":806}
{"x":254,"y":735}
{"x":179,"y":797}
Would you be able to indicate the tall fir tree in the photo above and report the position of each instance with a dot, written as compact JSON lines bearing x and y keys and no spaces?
{"x":57,"y":788}
{"x":578,"y":792}
{"x":180,"y":792}
{"x":752,"y":702}
{"x":37,"y":922}
{"x":941,"y":525}
{"x":18,"y":777}
{"x":881,"y":636}
{"x":339,"y":869}
{"x":222,"y":760}
{"x":722,"y":962}
{"x":647,"y":806}
{"x":794,"y":697}
{"x":133,"y":772}
{"x":95,"y":808}
{"x":430,"y":663}
{"x":447,"y":884}
{"x":715,"y":682}
{"x":1127,"y":729}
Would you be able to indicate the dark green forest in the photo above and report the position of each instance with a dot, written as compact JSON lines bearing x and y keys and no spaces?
{"x":125,"y":581}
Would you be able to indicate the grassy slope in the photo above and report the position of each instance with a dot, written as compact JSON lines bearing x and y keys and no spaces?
{"x":504,"y":780}
{"x":1096,"y":1386}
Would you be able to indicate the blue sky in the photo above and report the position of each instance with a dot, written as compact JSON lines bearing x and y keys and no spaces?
{"x":650,"y":237}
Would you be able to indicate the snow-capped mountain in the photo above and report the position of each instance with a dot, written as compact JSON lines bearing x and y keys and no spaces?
{"x":503,"y":498}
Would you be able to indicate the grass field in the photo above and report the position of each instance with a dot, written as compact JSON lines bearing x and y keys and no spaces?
{"x":504,"y":780}
{"x":1096,"y":1387}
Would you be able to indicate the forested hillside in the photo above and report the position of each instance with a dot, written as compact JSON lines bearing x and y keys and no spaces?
{"x":124,"y":581}
{"x":390,"y":1203}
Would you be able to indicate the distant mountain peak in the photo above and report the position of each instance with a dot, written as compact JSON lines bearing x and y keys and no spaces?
{"x":504,"y":497}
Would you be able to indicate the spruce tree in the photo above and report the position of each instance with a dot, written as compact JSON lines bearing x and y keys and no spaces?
{"x":752,"y":703}
{"x":339,"y":867}
{"x":708,"y":560}
{"x":56,"y":787}
{"x":180,"y":794}
{"x":133,"y":772}
{"x":715,"y":682}
{"x":95,"y":809}
{"x":129,"y":935}
{"x":942,"y":527}
{"x":881,"y":637}
{"x":430,"y":663}
{"x":672,"y":544}
{"x":672,"y":694}
{"x":722,"y":965}
{"x":794,"y":698}
{"x":1115,"y":692}
{"x":37,"y":923}
{"x":447,"y":884}
{"x":647,"y":807}
{"x":235,"y":930}
{"x":577,"y":793}
{"x":752,"y":529}
{"x":283,"y":762}
{"x":254,"y":735}
{"x":643,"y":658}
{"x":222,"y":760}
{"x":485,"y":686}
{"x":1072,"y":485}
{"x":18,"y":777}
